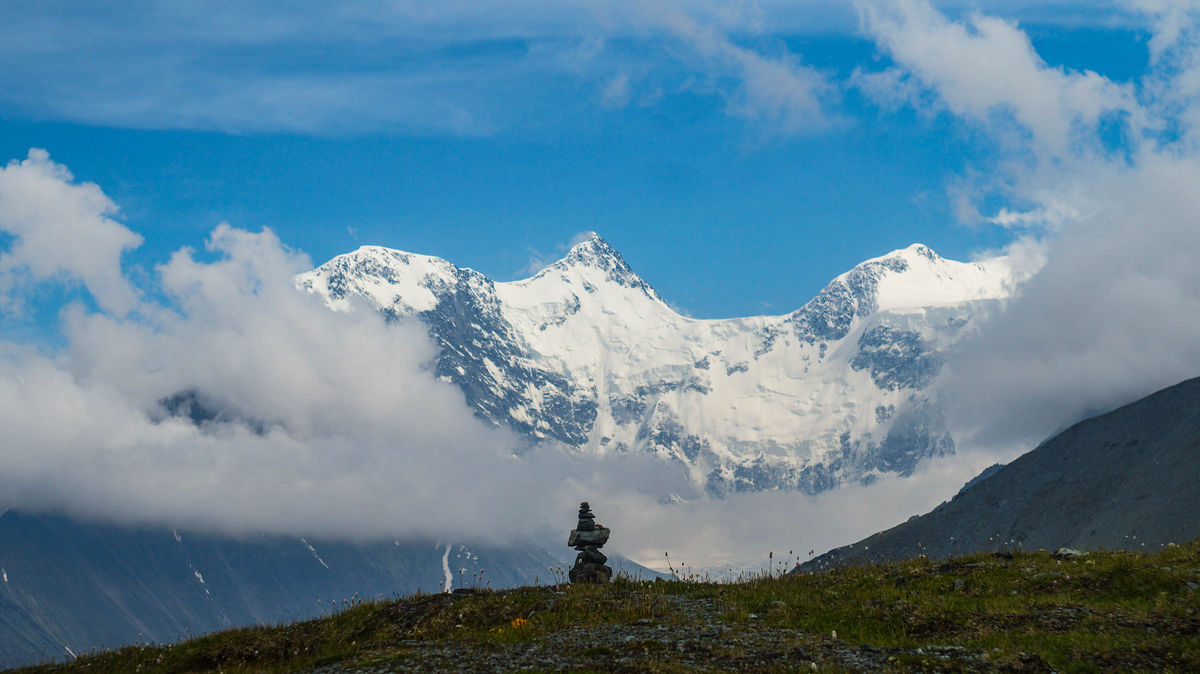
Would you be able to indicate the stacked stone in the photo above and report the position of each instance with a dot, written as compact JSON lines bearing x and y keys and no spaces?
{"x":588,"y":537}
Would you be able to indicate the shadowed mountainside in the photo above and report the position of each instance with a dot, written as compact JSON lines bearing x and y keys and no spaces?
{"x":1027,"y":612}
{"x":66,"y":584}
{"x":1122,"y":480}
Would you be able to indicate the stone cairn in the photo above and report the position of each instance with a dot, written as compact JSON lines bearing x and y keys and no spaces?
{"x":588,"y":537}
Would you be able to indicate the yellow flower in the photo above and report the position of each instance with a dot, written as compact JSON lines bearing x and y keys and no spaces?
{"x":520,"y":622}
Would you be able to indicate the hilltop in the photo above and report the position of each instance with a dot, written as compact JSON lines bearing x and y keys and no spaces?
{"x":1021,"y":612}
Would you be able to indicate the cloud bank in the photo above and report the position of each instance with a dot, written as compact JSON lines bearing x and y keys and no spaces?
{"x":324,"y":421}
{"x":1105,"y":173}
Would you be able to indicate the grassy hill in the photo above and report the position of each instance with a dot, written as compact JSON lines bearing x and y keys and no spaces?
{"x":1114,"y":611}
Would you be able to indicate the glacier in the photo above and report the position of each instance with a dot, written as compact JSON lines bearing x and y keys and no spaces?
{"x":587,"y":356}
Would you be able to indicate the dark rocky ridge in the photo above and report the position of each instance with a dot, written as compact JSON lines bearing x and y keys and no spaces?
{"x":1126,"y":479}
{"x":471,"y":332}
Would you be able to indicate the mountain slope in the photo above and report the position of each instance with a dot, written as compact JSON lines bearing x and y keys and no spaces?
{"x":585,"y":353}
{"x":1126,"y":479}
{"x":66,"y":584}
{"x":1114,"y":612}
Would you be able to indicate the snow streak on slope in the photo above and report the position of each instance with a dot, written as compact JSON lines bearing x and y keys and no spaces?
{"x":587,"y":354}
{"x":448,"y":583}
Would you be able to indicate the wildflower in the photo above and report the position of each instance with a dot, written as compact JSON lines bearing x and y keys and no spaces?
{"x":518,"y":623}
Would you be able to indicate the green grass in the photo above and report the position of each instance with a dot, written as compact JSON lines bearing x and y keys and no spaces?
{"x":1109,"y":611}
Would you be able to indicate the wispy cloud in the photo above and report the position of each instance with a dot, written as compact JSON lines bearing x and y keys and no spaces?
{"x":776,"y":91}
{"x":461,"y":68}
{"x":1112,"y":314}
{"x":984,"y":68}
{"x":617,"y":92}
{"x":372,"y":66}
{"x":539,"y":260}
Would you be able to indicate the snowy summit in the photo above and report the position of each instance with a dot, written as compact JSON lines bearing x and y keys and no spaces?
{"x":585,"y":353}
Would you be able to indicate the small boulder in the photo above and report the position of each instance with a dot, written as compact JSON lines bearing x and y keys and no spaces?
{"x":1069,"y":553}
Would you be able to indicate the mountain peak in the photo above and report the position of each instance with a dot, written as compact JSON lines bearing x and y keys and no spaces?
{"x":911,"y":253}
{"x":592,"y":250}
{"x":921,"y":250}
{"x":593,"y":254}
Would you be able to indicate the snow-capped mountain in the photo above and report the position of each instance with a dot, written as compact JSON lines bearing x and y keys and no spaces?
{"x":587,"y":354}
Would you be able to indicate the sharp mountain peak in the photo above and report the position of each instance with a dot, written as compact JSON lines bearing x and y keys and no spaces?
{"x":593,"y":252}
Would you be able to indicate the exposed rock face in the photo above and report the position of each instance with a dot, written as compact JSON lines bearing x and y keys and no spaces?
{"x":1126,"y":479}
{"x":586,"y":354}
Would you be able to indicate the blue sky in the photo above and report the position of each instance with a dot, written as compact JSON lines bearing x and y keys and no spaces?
{"x":491,"y":136}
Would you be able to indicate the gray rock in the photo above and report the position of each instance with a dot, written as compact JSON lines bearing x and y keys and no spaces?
{"x":597,"y":537}
{"x":590,"y":556}
{"x":590,"y":573}
{"x":587,"y":538}
{"x":1047,"y":575}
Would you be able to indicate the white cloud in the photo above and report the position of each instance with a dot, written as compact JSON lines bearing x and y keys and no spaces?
{"x":539,"y":260}
{"x":579,"y":238}
{"x":986,"y":67}
{"x":779,"y":93}
{"x":326,"y":423}
{"x":1055,"y":209}
{"x":617,"y":91}
{"x":1173,"y":85}
{"x":895,"y":88}
{"x":388,"y":66}
{"x":471,"y":69}
{"x":1112,"y":313}
{"x":333,"y":422}
{"x":1017,"y":219}
{"x":740,"y":531}
{"x":1174,"y":23}
{"x":62,"y":229}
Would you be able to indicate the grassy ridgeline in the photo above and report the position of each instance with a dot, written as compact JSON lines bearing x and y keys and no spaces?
{"x":1116,"y":611}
